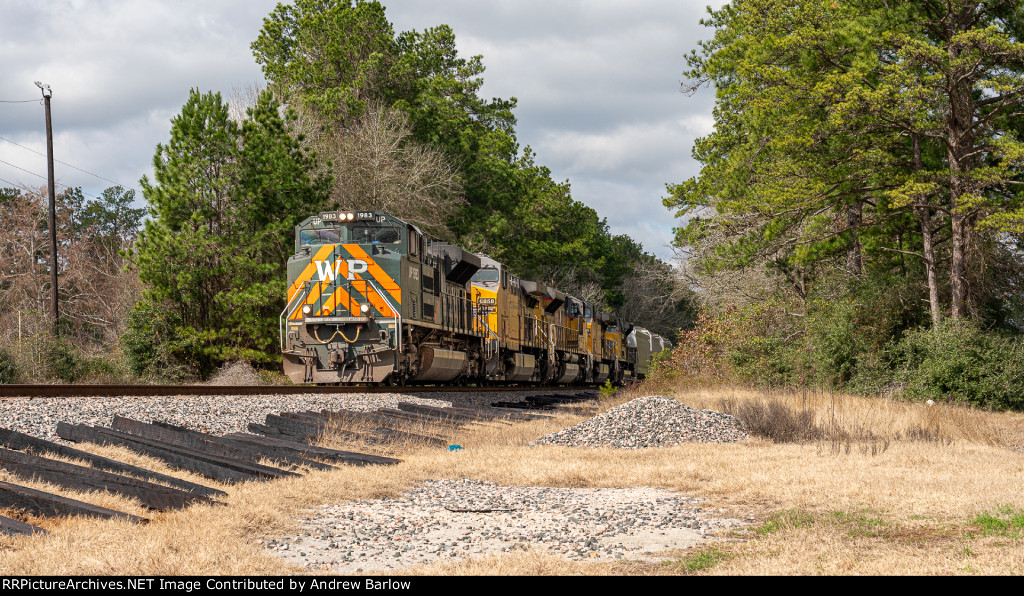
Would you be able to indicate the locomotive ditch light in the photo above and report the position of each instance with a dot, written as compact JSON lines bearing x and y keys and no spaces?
{"x":364,"y":308}
{"x":307,"y":309}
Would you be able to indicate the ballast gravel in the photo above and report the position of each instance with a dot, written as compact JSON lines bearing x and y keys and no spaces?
{"x":216,"y":414}
{"x":651,"y":421}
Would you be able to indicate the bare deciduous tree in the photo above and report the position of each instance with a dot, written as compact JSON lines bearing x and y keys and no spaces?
{"x":96,"y":290}
{"x":377,"y":165}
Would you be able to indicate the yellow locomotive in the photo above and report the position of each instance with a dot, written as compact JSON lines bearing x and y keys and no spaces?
{"x":373,"y":300}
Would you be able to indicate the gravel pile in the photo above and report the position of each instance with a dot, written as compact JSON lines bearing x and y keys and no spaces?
{"x":446,"y":519}
{"x":652,"y":421}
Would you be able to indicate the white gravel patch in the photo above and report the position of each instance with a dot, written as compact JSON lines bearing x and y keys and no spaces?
{"x":458,"y":519}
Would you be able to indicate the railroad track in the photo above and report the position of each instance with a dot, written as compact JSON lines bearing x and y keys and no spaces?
{"x":21,"y":391}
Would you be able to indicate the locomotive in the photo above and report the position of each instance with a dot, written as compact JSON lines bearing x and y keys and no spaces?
{"x":371,"y":299}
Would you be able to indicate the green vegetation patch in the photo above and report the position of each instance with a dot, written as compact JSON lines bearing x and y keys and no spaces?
{"x":789,"y":519}
{"x":701,"y":560}
{"x":1006,"y":520}
{"x":859,"y":524}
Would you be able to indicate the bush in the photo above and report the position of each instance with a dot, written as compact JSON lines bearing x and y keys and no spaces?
{"x":62,"y":361}
{"x":850,"y":322}
{"x":773,"y":420}
{"x":761,"y":344}
{"x":8,"y":368}
{"x":959,"y":362}
{"x":156,"y":347}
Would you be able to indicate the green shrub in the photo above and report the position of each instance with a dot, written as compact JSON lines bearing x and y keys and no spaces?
{"x":957,"y":361}
{"x":156,"y":347}
{"x":758,"y":343}
{"x":8,"y":368}
{"x":850,"y":322}
{"x":62,"y":361}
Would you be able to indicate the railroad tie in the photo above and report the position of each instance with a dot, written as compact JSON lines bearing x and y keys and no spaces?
{"x":383,"y":434}
{"x":73,"y":477}
{"x":48,"y":505}
{"x":190,"y":440}
{"x":307,"y":431}
{"x":259,"y":449}
{"x":22,"y":442}
{"x":210,"y":466}
{"x":13,"y":527}
{"x":335,"y":455}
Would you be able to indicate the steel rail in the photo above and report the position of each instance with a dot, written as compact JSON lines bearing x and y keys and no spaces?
{"x":57,"y":391}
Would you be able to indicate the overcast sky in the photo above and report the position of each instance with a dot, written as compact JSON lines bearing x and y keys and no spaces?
{"x":597,"y":84}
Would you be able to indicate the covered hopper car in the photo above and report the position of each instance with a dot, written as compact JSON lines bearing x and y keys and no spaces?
{"x":373,"y":300}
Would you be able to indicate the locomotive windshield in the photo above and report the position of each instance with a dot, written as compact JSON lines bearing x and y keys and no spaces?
{"x":486,"y":274}
{"x":352,"y":234}
{"x":315,"y":237}
{"x":371,"y":234}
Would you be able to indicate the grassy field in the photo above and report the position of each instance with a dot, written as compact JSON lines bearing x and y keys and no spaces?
{"x":837,"y":485}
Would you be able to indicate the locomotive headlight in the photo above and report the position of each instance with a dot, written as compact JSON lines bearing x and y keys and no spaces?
{"x":365,"y":308}
{"x":307,"y":309}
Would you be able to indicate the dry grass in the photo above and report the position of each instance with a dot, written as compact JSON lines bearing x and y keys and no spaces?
{"x":912,"y":507}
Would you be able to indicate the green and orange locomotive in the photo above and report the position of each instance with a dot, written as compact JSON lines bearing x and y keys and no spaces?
{"x":373,"y":300}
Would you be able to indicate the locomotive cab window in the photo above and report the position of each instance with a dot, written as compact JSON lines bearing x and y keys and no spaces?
{"x":318,"y":237}
{"x":371,"y":234}
{"x":487,"y":274}
{"x":414,"y":241}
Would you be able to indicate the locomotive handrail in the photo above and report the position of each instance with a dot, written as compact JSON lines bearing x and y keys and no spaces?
{"x":483,"y":321}
{"x":288,"y":309}
{"x":395,"y":309}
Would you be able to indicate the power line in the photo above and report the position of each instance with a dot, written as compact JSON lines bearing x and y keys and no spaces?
{"x":65,"y":186}
{"x":18,"y":101}
{"x":63,"y":162}
{"x":23,"y":169}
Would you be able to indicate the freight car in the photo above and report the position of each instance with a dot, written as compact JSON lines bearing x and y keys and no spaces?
{"x":373,"y":300}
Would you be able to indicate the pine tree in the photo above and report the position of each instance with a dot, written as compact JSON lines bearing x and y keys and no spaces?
{"x":850,"y":128}
{"x":223,"y":204}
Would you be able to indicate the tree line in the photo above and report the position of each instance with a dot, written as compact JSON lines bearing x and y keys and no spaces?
{"x":858,"y":219}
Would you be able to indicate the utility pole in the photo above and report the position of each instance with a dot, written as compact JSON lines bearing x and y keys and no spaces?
{"x":54,"y":311}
